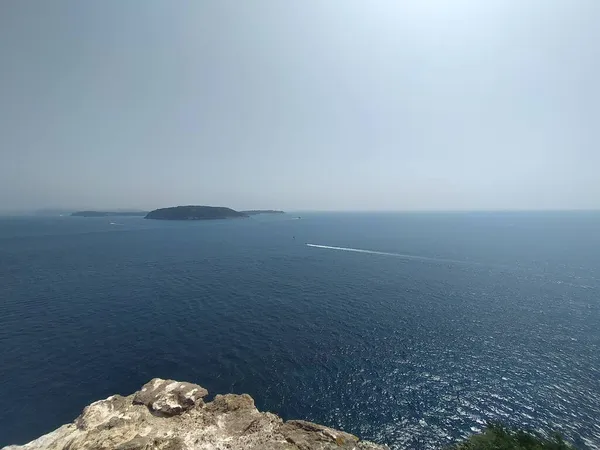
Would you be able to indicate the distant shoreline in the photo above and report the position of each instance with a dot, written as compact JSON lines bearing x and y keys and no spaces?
{"x":109,"y":214}
{"x":254,"y":212}
{"x":198,"y":212}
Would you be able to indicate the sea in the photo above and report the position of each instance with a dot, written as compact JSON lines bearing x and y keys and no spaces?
{"x":408,"y":329}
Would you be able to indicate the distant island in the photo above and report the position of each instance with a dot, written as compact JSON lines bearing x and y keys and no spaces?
{"x":52,"y":212}
{"x":108,"y":213}
{"x":254,"y":212}
{"x":194,"y":213}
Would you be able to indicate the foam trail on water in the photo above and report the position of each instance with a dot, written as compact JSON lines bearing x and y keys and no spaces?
{"x":397,"y":255}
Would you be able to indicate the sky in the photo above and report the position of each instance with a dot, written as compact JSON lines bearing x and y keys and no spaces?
{"x":300,"y":105}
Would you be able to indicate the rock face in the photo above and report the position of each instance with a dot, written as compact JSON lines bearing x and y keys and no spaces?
{"x":171,"y":415}
{"x":169,"y":398}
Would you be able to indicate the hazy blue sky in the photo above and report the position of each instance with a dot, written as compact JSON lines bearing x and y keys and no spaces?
{"x":422,"y":104}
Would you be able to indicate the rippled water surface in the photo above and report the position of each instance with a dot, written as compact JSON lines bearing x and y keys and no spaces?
{"x":407,"y":329}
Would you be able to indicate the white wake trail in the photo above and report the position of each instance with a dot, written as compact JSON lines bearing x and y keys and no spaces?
{"x":397,"y":255}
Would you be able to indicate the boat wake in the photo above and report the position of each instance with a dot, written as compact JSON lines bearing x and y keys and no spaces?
{"x":397,"y":255}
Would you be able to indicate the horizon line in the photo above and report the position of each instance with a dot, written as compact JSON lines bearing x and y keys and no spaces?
{"x":28,"y":211}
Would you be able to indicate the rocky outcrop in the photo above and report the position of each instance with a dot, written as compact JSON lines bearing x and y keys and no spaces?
{"x":171,"y":415}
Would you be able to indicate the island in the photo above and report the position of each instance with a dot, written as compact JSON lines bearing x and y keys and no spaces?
{"x":194,"y":213}
{"x":109,"y":213}
{"x":254,"y":212}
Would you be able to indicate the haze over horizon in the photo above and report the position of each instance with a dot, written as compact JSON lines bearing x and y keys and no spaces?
{"x":340,"y":105}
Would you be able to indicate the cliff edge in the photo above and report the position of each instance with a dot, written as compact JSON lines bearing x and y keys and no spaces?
{"x":171,"y":415}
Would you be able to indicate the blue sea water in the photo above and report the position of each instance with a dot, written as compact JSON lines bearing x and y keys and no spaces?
{"x":453,"y":320}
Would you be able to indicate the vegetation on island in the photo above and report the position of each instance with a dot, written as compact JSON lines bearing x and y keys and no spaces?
{"x":499,"y":437}
{"x":194,"y":213}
